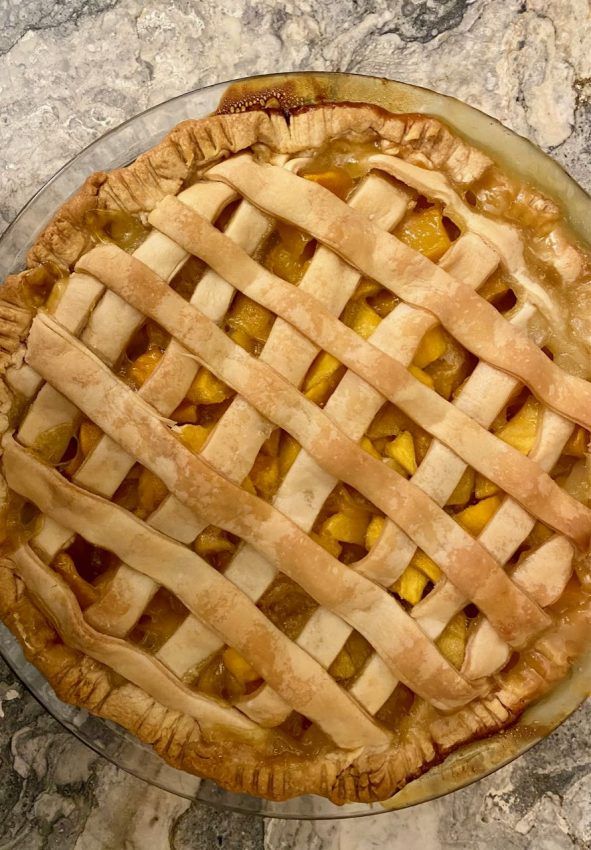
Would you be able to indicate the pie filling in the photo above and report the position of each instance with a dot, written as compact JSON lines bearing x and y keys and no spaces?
{"x":345,"y":523}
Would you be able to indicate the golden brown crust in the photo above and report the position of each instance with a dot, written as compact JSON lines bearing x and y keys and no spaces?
{"x":66,"y":237}
{"x":77,"y":679}
{"x":194,"y":144}
{"x":81,"y":681}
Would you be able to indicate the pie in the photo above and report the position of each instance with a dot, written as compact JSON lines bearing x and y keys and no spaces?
{"x":296,"y":418}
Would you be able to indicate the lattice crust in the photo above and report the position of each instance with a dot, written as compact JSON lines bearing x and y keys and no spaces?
{"x":215,"y":190}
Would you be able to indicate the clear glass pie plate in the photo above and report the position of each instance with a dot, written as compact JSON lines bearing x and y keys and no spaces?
{"x":121,"y":146}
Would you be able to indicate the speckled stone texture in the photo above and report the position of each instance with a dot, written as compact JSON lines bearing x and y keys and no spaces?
{"x":71,"y":70}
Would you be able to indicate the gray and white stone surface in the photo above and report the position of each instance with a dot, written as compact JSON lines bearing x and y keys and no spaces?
{"x":71,"y":70}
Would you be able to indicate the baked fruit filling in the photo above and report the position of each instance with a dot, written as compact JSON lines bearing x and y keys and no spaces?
{"x":348,"y":525}
{"x":345,"y":522}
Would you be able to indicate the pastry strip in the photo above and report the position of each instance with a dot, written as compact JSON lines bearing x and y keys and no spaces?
{"x":544,"y":575}
{"x":506,"y":239}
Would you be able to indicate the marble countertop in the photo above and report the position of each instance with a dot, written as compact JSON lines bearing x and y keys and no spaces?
{"x":69,"y":71}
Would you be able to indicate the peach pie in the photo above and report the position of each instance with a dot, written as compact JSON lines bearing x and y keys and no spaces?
{"x":295,"y":449}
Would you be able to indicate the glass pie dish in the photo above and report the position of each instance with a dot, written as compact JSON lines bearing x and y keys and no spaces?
{"x":121,"y":147}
